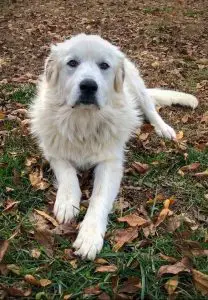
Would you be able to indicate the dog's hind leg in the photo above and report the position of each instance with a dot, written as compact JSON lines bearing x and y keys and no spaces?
{"x":140,"y":93}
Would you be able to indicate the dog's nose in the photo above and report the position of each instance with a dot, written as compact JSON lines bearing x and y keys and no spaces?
{"x":88,"y":86}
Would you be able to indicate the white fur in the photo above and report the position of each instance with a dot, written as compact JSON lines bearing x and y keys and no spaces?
{"x":79,"y":137}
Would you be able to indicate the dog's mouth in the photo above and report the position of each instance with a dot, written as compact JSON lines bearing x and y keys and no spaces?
{"x":86,"y":101}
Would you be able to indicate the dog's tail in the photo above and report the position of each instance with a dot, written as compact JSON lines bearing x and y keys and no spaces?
{"x":167,"y":98}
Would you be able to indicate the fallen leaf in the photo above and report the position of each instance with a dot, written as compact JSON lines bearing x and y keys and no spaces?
{"x":2,"y":115}
{"x":67,"y":297}
{"x":14,"y":269}
{"x":30,"y":161}
{"x":191,"y":248}
{"x":158,"y":198}
{"x":122,"y":236}
{"x":101,"y":261}
{"x":47,"y":217}
{"x":200,"y":281}
{"x":104,"y":296}
{"x":185,"y":119}
{"x":3,"y":269}
{"x":37,"y":180}
{"x":10,"y":205}
{"x":171,"y":285}
{"x":92,"y":290}
{"x":179,"y":135}
{"x":130,"y":286}
{"x":15,"y":292}
{"x":109,"y":269}
{"x":73,"y":263}
{"x":133,"y":220}
{"x":189,"y":168}
{"x":149,"y":230}
{"x":173,"y":223}
{"x":139,"y":167}
{"x":202,"y":174}
{"x":69,"y":254}
{"x":143,"y":136}
{"x":181,"y":266}
{"x":45,"y":282}
{"x":35,"y":253}
{"x":9,"y":189}
{"x":68,"y":229}
{"x":204,"y":118}
{"x":32,"y":280}
{"x":46,"y":238}
{"x":4,"y":244}
{"x":165,"y":212}
{"x":168,"y":258}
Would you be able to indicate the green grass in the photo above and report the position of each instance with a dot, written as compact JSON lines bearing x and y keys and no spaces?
{"x":130,"y":260}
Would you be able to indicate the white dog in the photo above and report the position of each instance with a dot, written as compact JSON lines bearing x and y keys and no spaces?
{"x":90,"y":100}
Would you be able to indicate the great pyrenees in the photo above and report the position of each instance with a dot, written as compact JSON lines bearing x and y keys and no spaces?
{"x":90,"y":100}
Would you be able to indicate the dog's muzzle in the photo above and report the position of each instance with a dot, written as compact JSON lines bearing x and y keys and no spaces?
{"x":88,"y":89}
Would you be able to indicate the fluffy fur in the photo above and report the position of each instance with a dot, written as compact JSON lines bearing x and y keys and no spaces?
{"x":76,"y":136}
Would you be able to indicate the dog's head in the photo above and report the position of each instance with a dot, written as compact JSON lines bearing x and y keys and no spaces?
{"x":86,"y":70}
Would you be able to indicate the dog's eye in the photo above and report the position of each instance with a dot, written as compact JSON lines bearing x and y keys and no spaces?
{"x":104,"y":66}
{"x":73,"y":63}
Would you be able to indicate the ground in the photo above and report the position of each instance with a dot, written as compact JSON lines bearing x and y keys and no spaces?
{"x":166,"y":201}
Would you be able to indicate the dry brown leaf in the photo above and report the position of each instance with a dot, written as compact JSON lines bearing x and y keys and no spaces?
{"x":14,"y":269}
{"x":168,"y":258}
{"x":109,"y":269}
{"x":200,"y":281}
{"x":165,"y":212}
{"x":73,"y":263}
{"x":37,"y":180}
{"x":104,"y":296}
{"x":101,"y":261}
{"x":158,"y":198}
{"x":140,"y":168}
{"x":133,"y":220}
{"x":4,"y":244}
{"x":189,"y":168}
{"x":181,"y":266}
{"x":67,"y":297}
{"x":15,"y":291}
{"x":30,"y":161}
{"x":32,"y":280}
{"x":185,"y":119}
{"x":202,"y":174}
{"x":68,"y":229}
{"x":149,"y":230}
{"x":47,"y":217}
{"x":130,"y":286}
{"x":191,"y":248}
{"x":2,"y":115}
{"x":35,"y":253}
{"x":171,"y":285}
{"x":143,"y":136}
{"x":3,"y":269}
{"x":179,"y":135}
{"x":69,"y":254}
{"x":10,"y":205}
{"x":122,"y":236}
{"x":46,"y":238}
{"x":45,"y":282}
{"x":173,"y":223}
{"x":92,"y":290}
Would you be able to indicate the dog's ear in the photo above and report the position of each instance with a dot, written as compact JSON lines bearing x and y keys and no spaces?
{"x":119,"y":78}
{"x":51,"y":68}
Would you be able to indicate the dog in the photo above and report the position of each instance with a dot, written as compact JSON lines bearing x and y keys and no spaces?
{"x":90,"y":100}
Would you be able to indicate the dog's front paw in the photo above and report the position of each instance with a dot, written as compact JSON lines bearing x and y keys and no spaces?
{"x":89,"y":241}
{"x":65,"y":208}
{"x":164,"y":130}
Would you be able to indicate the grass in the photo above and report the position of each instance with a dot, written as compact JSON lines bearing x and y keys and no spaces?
{"x":130,"y":260}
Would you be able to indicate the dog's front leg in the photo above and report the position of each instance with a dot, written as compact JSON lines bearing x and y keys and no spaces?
{"x":68,"y":194}
{"x":108,"y":176}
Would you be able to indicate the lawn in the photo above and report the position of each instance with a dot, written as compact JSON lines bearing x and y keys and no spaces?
{"x":156,"y":245}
